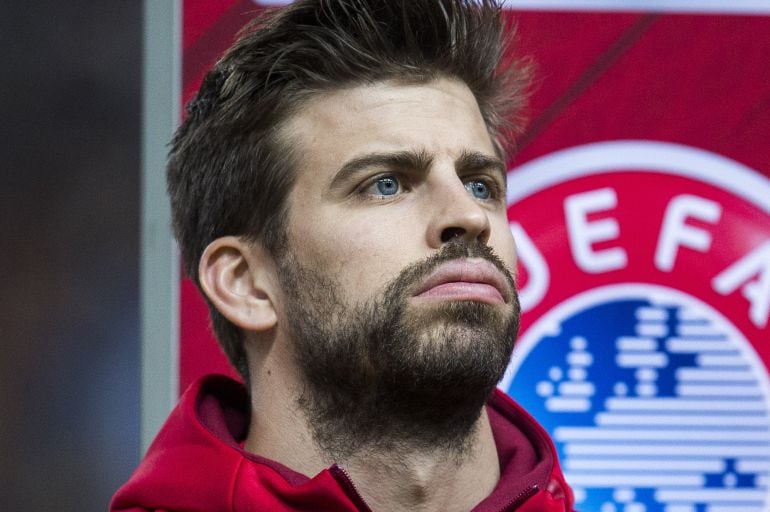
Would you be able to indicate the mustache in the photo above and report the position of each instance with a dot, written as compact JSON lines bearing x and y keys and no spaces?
{"x":412,"y":275}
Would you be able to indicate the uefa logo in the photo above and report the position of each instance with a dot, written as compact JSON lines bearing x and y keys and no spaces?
{"x":645,"y":288}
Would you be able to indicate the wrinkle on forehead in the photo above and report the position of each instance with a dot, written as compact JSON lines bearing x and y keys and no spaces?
{"x":354,"y":111}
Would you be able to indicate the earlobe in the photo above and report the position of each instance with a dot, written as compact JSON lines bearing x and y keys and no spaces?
{"x":234,"y":275}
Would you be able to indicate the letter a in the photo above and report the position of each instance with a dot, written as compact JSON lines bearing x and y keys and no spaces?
{"x":756,"y":291}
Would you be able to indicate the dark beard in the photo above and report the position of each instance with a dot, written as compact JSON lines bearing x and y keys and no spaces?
{"x":382,"y":376}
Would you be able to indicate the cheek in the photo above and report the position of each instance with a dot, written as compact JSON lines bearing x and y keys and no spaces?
{"x":367,"y":251}
{"x":504,"y":245}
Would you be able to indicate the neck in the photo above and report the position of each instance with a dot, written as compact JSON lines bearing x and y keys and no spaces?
{"x":428,"y":479}
{"x":400,"y":478}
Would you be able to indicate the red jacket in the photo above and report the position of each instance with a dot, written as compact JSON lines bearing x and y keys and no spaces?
{"x":197,"y":464}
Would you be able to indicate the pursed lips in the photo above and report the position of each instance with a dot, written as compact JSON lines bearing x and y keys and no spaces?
{"x":466,"y":279}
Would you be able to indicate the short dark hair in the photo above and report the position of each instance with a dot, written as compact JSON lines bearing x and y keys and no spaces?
{"x":230,"y":174}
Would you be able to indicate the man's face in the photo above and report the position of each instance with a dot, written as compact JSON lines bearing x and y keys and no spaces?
{"x":387,"y":174}
{"x":397,"y":276}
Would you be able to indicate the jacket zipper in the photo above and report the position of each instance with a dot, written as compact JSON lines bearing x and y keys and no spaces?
{"x":521,"y":498}
{"x":343,"y":478}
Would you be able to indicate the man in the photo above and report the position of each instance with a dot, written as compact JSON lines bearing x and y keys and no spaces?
{"x":338,"y":191}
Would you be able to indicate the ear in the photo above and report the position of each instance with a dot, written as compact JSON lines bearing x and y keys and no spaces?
{"x":237,"y":277}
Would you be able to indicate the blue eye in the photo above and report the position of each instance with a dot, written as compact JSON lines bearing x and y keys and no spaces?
{"x":478,"y":189}
{"x":387,"y":186}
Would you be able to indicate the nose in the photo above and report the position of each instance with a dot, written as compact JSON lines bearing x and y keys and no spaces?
{"x":456,"y":214}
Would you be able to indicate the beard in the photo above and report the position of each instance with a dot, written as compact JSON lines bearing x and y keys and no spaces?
{"x":381,"y":375}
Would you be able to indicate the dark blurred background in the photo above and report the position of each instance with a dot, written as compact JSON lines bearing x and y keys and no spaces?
{"x":69,"y":229}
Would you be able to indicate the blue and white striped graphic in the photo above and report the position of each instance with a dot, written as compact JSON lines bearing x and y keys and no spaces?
{"x":654,"y":400}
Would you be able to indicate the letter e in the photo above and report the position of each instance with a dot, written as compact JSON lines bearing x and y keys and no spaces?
{"x":583,"y":234}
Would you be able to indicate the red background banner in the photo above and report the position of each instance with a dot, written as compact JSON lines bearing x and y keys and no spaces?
{"x":698,"y":80}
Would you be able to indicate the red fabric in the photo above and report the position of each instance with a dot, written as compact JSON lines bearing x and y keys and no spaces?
{"x":196,"y":464}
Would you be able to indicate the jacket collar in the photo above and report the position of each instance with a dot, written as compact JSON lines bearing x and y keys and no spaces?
{"x":197,"y":462}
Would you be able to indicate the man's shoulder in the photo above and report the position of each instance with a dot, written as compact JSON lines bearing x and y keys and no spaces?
{"x":195,"y":454}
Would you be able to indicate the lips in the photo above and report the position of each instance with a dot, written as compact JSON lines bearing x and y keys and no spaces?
{"x":466,"y":279}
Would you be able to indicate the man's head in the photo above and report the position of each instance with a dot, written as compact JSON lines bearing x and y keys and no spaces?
{"x":395,"y":286}
{"x":235,"y":161}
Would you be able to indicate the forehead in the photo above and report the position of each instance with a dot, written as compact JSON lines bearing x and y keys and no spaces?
{"x":440,"y":117}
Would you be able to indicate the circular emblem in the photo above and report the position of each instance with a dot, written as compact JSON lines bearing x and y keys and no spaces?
{"x":644,"y":281}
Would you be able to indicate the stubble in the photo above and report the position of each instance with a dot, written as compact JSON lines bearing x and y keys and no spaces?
{"x":384,"y":375}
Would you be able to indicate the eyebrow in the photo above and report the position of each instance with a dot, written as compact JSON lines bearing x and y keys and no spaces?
{"x":414,"y":160}
{"x":469,"y":161}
